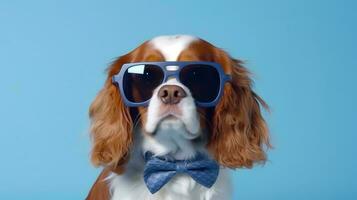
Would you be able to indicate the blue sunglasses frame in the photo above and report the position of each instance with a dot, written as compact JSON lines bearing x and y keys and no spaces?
{"x":174,"y":72}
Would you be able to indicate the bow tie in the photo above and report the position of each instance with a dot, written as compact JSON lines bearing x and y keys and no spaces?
{"x":158,"y":171}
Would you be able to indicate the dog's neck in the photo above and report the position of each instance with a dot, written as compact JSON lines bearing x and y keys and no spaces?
{"x":169,"y":140}
{"x":172,"y":140}
{"x":169,"y":143}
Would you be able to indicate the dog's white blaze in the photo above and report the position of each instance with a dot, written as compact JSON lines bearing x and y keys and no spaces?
{"x":172,"y":45}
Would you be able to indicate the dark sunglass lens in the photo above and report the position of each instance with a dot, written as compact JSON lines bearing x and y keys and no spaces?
{"x":202,"y":80}
{"x":139,"y":81}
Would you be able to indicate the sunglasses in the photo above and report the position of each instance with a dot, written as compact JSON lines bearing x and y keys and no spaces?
{"x":137,"y":81}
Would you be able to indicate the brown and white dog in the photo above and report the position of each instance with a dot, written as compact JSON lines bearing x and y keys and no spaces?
{"x":233,"y":132}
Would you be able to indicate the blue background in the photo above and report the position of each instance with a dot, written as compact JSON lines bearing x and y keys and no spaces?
{"x":303,"y":54}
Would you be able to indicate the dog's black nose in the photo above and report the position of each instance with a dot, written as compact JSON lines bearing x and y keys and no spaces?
{"x":171,"y":94}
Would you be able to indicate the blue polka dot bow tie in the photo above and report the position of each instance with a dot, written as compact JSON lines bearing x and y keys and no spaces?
{"x":158,"y":171}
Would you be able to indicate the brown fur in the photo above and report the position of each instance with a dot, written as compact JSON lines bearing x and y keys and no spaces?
{"x":239,"y":134}
{"x":111,"y":122}
{"x":111,"y":126}
{"x":100,"y":189}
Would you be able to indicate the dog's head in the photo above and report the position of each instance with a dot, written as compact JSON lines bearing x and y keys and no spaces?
{"x":235,"y":131}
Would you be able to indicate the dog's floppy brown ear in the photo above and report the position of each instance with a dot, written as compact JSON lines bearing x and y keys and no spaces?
{"x":111,"y":124}
{"x":239,"y":133}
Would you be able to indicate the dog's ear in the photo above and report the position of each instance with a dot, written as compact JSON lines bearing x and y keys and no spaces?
{"x":111,"y":124}
{"x":239,"y":134}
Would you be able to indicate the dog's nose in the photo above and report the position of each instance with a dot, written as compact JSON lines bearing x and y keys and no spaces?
{"x":171,"y":94}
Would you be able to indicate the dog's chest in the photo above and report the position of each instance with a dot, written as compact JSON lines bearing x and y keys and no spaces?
{"x":180,"y":187}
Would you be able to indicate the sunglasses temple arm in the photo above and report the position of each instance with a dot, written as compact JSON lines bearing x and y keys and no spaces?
{"x":228,"y":77}
{"x":114,"y":79}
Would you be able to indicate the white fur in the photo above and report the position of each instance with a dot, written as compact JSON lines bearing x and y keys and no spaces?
{"x":188,"y":118}
{"x":172,"y":45}
{"x":172,"y":137}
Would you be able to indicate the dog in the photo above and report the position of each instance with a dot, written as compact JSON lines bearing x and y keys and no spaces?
{"x":175,"y":101}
